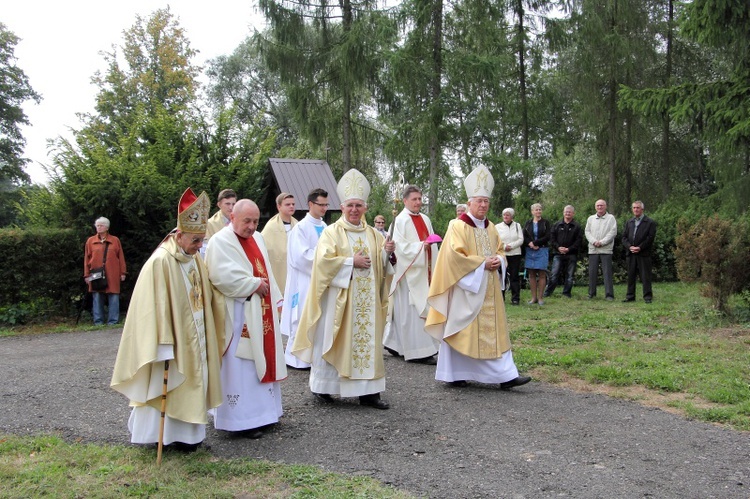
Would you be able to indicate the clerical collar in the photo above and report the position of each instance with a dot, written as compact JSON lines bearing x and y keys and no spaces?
{"x":315,"y":221}
{"x":476,"y":220}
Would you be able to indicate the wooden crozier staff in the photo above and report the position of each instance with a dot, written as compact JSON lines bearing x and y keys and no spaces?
{"x":160,"y":447}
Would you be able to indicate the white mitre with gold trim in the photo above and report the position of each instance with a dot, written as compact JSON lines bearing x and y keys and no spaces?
{"x":479,"y":183}
{"x":353,"y":185}
{"x":192,"y":212}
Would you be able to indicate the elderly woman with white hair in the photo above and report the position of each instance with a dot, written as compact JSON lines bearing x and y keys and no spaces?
{"x":511,"y":235}
{"x":104,"y":250}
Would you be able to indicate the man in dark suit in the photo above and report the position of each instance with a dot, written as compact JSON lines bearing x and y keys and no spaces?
{"x":638,"y":239}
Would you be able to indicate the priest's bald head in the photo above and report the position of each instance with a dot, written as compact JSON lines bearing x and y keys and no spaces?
{"x":245,"y":218}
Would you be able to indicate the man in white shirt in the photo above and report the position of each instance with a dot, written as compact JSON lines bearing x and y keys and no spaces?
{"x":303,"y":239}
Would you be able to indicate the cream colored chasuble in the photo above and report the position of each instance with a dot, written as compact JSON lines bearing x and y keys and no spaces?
{"x":363,"y":312}
{"x":192,"y":280}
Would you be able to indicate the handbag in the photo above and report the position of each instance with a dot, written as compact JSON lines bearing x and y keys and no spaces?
{"x":98,"y":276}
{"x":98,"y":279}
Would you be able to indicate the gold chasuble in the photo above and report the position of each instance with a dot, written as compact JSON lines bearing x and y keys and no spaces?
{"x":255,"y":256}
{"x":473,"y":324}
{"x":171,"y":298}
{"x":353,"y":345}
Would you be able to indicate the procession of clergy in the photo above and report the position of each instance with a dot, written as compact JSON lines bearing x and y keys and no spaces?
{"x":205,"y":332}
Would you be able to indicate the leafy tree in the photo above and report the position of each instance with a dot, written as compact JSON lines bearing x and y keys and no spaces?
{"x":15,"y":89}
{"x":714,"y":102}
{"x":327,"y":56}
{"x":140,"y":149}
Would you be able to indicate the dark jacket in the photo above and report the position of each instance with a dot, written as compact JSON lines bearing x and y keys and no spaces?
{"x":543,"y":230}
{"x":644,"y":237}
{"x":567,"y":236}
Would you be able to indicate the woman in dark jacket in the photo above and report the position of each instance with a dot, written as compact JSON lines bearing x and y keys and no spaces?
{"x":536,"y":235}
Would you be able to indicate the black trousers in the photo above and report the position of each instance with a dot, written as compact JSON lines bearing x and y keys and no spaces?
{"x":639,"y":266}
{"x":514,"y":267}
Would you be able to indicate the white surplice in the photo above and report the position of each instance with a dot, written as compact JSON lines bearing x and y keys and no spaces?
{"x":248,"y":403}
{"x":405,"y":333}
{"x":303,"y":239}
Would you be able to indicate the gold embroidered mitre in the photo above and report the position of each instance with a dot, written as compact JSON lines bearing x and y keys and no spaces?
{"x":479,"y":183}
{"x":353,"y":185}
{"x":192,"y":212}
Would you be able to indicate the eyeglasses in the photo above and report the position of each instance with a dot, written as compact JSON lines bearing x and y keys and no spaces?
{"x":325,"y":205}
{"x":197,"y":240}
{"x":357,"y":206}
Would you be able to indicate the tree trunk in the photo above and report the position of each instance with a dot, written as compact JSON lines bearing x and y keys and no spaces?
{"x":521,"y":33}
{"x":666,"y":185}
{"x":435,"y":93}
{"x":346,"y":118}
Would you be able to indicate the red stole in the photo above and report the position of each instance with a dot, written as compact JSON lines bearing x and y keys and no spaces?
{"x":423,"y":233}
{"x":254,"y":255}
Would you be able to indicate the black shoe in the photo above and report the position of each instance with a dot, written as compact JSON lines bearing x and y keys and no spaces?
{"x":514,"y":303}
{"x":183,"y":447}
{"x":591,"y":297}
{"x":373,"y":400}
{"x":459,"y":384}
{"x":392,"y":352}
{"x":521,"y":380}
{"x":430,"y":361}
{"x":628,"y":300}
{"x":610,"y":298}
{"x":546,"y":295}
{"x":324,"y":397}
{"x":252,"y":433}
{"x":298,"y":368}
{"x":647,"y":300}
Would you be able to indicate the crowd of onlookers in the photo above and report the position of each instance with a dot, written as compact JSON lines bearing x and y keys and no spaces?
{"x":528,"y":247}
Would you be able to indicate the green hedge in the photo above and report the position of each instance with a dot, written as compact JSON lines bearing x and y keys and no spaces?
{"x":41,"y":266}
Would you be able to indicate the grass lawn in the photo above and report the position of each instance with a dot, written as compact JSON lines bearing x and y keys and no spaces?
{"x":48,"y":466}
{"x":675,"y":353}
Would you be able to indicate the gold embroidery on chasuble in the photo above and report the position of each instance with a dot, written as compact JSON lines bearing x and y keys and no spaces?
{"x":486,"y":320}
{"x":196,"y":291}
{"x":363,"y":311}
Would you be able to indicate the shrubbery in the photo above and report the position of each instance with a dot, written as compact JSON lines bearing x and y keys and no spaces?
{"x":714,"y":251}
{"x":41,"y":271}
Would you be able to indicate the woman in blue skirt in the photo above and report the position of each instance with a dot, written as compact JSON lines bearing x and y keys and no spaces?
{"x":536,"y":234}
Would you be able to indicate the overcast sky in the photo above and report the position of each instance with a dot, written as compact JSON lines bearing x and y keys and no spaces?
{"x":61,"y":43}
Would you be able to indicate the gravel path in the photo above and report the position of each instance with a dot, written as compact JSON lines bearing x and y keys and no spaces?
{"x":436,"y":441}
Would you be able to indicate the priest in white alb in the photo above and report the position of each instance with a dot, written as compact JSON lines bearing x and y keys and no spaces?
{"x":341,"y":329}
{"x":467,"y":310}
{"x":303,"y":239}
{"x":171,"y":320}
{"x":253,"y":363}
{"x":416,"y":256}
